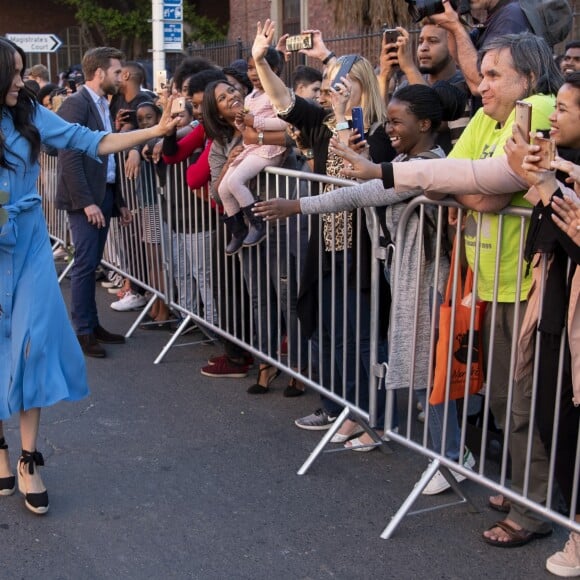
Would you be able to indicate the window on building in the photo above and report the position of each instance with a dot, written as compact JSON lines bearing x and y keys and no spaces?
{"x":291,"y":16}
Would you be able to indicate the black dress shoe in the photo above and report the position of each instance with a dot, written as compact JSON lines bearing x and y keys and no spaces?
{"x":107,"y":337}
{"x":90,"y":346}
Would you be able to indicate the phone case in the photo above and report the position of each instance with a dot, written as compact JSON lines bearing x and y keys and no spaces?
{"x":523,"y":118}
{"x":344,"y":69}
{"x":547,"y":152}
{"x":358,"y":122}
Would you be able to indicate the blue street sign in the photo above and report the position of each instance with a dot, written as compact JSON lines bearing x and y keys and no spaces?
{"x":173,"y":2}
{"x":172,"y":13}
{"x":172,"y":36}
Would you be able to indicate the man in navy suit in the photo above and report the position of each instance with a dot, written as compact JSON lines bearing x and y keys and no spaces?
{"x":86,"y":190}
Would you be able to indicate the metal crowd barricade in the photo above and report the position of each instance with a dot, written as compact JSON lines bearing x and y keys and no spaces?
{"x":520,"y":397}
{"x":57,"y":221}
{"x":253,"y":299}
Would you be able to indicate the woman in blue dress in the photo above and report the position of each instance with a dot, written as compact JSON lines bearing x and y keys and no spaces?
{"x":41,"y":362}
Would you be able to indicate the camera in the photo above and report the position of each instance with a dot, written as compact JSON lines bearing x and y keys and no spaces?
{"x":419,"y":9}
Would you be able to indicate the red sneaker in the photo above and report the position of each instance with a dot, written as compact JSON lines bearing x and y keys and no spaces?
{"x":224,"y":368}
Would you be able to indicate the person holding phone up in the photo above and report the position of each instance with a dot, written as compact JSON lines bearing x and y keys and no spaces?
{"x":346,"y":90}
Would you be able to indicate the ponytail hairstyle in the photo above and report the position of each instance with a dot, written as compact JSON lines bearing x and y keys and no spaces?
{"x":438,"y":103}
{"x":22,"y":113}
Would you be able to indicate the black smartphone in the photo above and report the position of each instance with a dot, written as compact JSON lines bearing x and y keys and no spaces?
{"x":345,"y":67}
{"x":358,"y":122}
{"x":130,"y":117}
{"x":523,"y":118}
{"x":72,"y":86}
{"x":391,"y":35}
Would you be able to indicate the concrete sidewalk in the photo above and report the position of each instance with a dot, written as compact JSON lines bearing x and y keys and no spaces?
{"x":163,"y":473}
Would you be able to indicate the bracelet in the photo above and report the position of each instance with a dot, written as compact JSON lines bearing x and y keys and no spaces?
{"x":260,"y":138}
{"x":329,"y":56}
{"x":342,"y":126}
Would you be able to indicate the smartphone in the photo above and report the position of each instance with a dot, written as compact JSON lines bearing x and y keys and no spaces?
{"x":160,"y":81}
{"x":178,"y":106}
{"x":358,"y":122}
{"x":345,"y":67}
{"x":391,"y":35}
{"x":72,"y":85}
{"x":524,"y":118}
{"x":547,"y":152}
{"x":130,"y":117}
{"x":299,"y":42}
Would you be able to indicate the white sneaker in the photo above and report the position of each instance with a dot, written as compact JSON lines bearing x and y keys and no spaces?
{"x":566,"y":563}
{"x":59,"y":253}
{"x":113,"y":280}
{"x":131,"y":301}
{"x":439,"y":484}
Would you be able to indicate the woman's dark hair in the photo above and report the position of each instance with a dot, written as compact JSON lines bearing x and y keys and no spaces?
{"x":441,"y":102}
{"x":26,"y":104}
{"x":190,"y":66}
{"x":573,"y":79}
{"x":200,"y":80}
{"x":45,"y":91}
{"x":216,"y":127}
{"x":240,"y":76}
{"x":275,"y":59}
{"x":151,"y":105}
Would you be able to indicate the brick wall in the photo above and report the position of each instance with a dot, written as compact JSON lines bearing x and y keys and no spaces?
{"x":243,"y":17}
{"x":31,"y":16}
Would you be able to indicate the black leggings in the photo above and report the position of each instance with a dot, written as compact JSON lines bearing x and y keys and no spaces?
{"x":569,"y":415}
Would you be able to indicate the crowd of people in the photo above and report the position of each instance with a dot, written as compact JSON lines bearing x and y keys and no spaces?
{"x":438,"y":120}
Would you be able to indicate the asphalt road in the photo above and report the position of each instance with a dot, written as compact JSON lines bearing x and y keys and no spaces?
{"x":165,"y":474}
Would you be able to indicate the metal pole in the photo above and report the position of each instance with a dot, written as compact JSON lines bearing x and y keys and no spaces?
{"x":157,"y":30}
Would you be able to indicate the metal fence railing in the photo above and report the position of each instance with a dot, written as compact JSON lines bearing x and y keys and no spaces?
{"x":317,"y":296}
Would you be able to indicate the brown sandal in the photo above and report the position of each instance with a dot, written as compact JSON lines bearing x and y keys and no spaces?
{"x":516,"y":537}
{"x":504,"y":507}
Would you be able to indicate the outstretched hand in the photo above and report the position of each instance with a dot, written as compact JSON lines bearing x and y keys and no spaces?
{"x":276,"y":209}
{"x":567,"y":217}
{"x":263,"y":40}
{"x":167,"y":124}
{"x":360,"y":168}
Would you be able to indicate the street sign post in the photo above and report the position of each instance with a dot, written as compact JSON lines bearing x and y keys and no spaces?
{"x":172,"y":12}
{"x":172,"y":36}
{"x":36,"y":42}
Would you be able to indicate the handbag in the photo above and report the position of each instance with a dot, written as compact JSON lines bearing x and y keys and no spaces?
{"x":454,"y":370}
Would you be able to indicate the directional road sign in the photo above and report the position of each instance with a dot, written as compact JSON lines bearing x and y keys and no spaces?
{"x":172,"y":36}
{"x":36,"y":42}
{"x":172,"y":12}
{"x":173,"y":2}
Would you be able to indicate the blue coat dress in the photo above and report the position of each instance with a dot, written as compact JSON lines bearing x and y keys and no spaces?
{"x":41,"y":362}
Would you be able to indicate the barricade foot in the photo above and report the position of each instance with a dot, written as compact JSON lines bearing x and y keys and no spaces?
{"x":428,"y":474}
{"x":141,"y":316}
{"x":324,"y":441}
{"x":65,"y":271}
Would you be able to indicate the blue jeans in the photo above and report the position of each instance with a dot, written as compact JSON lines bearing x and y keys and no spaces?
{"x":89,"y":243}
{"x":346,"y":384}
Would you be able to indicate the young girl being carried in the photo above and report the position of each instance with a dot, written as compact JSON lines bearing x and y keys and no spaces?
{"x":236,"y":197}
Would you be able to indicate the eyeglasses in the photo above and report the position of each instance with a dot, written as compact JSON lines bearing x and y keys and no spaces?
{"x":4,"y":197}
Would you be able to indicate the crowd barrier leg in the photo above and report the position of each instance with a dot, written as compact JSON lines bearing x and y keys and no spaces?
{"x":64,"y":273}
{"x":141,"y":316}
{"x":405,"y":508}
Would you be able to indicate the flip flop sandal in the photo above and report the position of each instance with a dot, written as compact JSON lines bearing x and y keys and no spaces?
{"x":504,"y":507}
{"x":516,"y":537}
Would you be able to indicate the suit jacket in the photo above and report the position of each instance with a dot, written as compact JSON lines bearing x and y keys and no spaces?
{"x":82,"y":181}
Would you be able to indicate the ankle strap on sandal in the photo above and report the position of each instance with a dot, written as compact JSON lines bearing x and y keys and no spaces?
{"x":3,"y":443}
{"x":31,"y":458}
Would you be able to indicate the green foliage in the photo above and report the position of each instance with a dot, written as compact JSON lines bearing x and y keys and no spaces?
{"x":202,"y":29}
{"x":129,"y":19}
